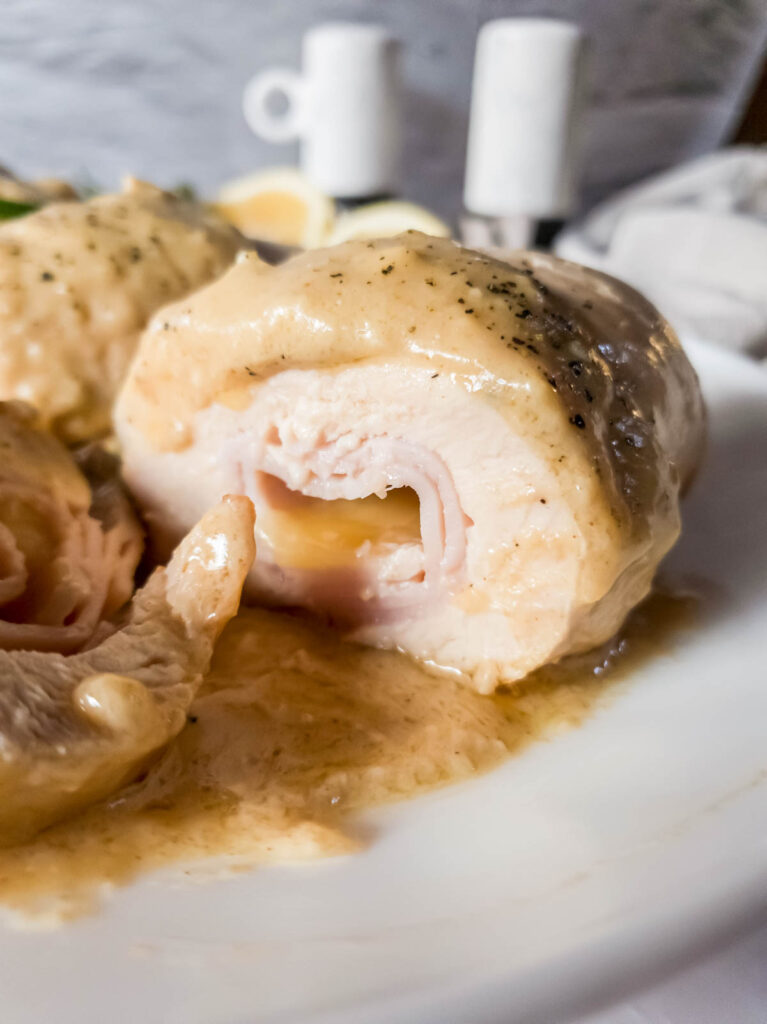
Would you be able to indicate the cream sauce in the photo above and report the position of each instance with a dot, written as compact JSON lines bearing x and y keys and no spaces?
{"x":78,"y":283}
{"x":290,"y":732}
{"x":579,"y":360}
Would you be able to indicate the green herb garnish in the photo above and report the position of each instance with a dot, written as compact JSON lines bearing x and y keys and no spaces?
{"x":185,"y":191}
{"x":10,"y":209}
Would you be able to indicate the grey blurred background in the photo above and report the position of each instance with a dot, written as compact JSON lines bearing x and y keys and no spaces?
{"x":93,"y":88}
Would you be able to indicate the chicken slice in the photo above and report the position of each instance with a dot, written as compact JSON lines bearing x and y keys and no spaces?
{"x":73,"y":729}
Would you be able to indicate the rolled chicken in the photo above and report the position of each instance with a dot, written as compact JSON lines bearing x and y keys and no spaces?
{"x":69,"y":540}
{"x":78,"y":283}
{"x":473,"y":460}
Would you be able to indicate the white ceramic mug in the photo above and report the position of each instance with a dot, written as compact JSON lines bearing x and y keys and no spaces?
{"x":344,"y":107}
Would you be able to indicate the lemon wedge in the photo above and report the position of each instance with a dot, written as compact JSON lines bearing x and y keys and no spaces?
{"x":378,"y":220}
{"x":277,"y":205}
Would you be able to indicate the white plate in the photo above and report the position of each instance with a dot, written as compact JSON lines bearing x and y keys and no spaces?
{"x":559,"y":880}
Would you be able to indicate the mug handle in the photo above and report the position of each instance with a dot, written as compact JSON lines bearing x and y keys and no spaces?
{"x":274,"y":127}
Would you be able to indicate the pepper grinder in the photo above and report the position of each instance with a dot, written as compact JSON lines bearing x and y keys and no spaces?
{"x":524,"y":132}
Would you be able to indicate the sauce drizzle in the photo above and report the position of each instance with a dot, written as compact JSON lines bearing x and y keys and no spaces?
{"x":291,"y":731}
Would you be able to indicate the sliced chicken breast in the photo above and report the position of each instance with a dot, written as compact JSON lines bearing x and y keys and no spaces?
{"x":79,"y":281}
{"x":69,"y":539}
{"x":475,"y":461}
{"x":73,"y":729}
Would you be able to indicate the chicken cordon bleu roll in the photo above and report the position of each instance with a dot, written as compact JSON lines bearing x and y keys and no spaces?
{"x":79,"y":282}
{"x":475,"y":461}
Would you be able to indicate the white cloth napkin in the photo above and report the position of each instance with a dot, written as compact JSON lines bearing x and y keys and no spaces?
{"x":694,"y":240}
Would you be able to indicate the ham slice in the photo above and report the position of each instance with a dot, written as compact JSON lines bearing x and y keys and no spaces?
{"x":536,"y":418}
{"x":69,"y":540}
{"x":73,"y":729}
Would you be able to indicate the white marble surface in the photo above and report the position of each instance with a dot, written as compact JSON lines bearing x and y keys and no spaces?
{"x":97,"y":88}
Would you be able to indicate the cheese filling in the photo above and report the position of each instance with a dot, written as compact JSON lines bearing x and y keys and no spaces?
{"x":313,"y":533}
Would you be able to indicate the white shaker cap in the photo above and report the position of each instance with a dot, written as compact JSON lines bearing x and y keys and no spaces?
{"x":525,"y":118}
{"x":350,"y":146}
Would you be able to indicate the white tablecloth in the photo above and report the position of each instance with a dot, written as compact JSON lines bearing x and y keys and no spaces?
{"x":694,"y":240}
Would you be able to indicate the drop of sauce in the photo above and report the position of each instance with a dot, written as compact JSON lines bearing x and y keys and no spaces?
{"x":293,"y":730}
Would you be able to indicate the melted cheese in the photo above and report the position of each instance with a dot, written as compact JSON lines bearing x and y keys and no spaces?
{"x":310,"y":533}
{"x":290,"y":732}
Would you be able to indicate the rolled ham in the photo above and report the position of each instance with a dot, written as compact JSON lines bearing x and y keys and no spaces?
{"x":474,"y":460}
{"x":69,"y":540}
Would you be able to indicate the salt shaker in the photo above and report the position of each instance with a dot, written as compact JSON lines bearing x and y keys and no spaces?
{"x":524,"y":130}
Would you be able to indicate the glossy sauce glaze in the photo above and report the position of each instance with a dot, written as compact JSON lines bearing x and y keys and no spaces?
{"x":78,"y":282}
{"x":290,"y":732}
{"x":557,"y":344}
